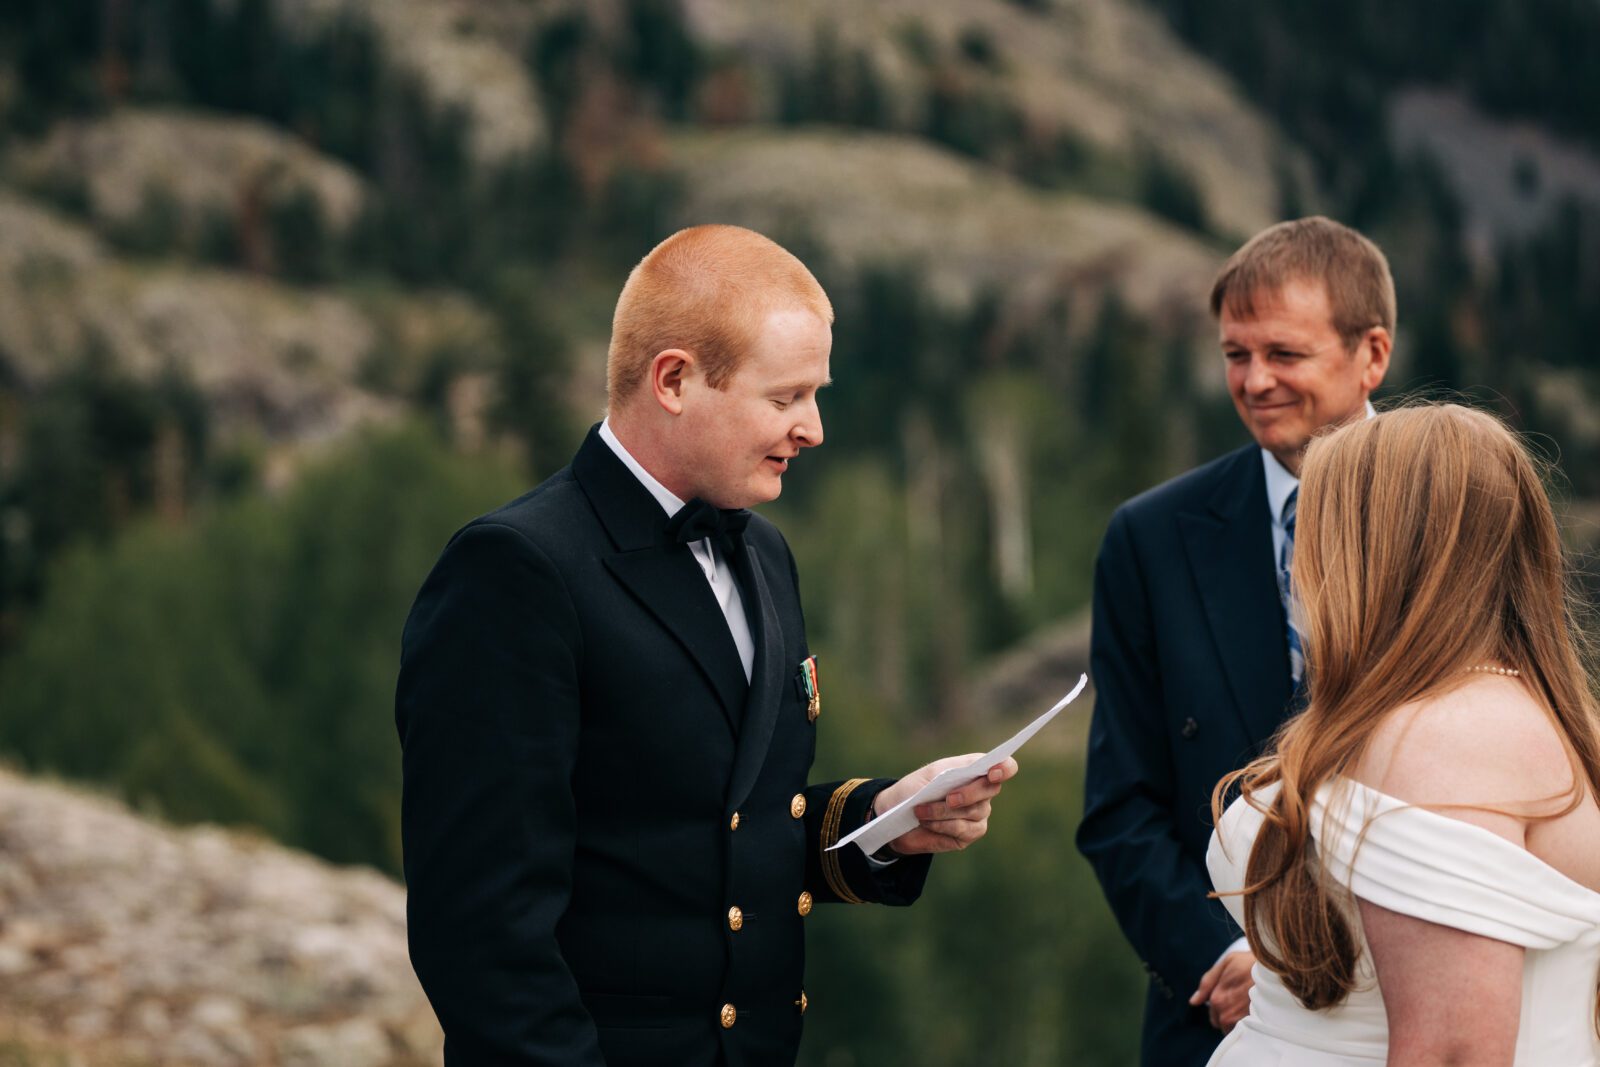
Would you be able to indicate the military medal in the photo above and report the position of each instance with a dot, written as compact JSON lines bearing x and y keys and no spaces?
{"x":808,"y":674}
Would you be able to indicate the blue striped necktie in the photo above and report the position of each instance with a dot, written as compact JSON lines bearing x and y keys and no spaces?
{"x":1297,"y":656}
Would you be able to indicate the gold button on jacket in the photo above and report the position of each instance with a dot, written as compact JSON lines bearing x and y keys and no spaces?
{"x":805,"y":904}
{"x":797,"y":806}
{"x":733,"y":823}
{"x":730,"y":1015}
{"x":735,"y":918}
{"x":802,"y":1002}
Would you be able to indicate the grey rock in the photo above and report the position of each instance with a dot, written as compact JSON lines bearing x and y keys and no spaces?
{"x":197,"y":947}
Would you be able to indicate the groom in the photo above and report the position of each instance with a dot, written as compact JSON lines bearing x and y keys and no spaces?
{"x":607,"y":709}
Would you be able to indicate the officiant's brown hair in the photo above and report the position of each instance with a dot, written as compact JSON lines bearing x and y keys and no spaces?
{"x":706,"y":290}
{"x":1425,"y":545}
{"x":1353,"y":270}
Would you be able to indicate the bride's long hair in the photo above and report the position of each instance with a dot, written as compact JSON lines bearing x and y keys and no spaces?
{"x":1425,"y":545}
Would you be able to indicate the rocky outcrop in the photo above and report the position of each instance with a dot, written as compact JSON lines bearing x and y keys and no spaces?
{"x":885,"y":200}
{"x":1108,"y":72}
{"x":268,"y":358}
{"x":1510,"y":177}
{"x":465,"y":54}
{"x":284,"y":363}
{"x":1025,"y":680}
{"x":203,"y":169}
{"x":123,"y":941}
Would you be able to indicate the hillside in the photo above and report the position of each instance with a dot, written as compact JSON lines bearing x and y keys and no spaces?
{"x":884,"y":199}
{"x":290,"y":289}
{"x":126,"y":941}
{"x":1066,"y":76}
{"x":286,"y":360}
{"x":237,"y":190}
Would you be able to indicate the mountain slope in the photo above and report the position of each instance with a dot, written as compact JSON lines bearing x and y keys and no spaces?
{"x":1107,"y":73}
{"x":125,"y":941}
{"x":881,"y":199}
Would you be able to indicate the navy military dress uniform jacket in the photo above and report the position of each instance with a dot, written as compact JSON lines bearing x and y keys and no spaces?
{"x":610,"y":845}
{"x":1191,"y":669}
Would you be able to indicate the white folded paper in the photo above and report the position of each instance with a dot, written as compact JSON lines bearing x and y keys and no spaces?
{"x":903,"y":816}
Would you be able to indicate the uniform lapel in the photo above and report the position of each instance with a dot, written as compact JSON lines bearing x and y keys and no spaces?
{"x":661,"y":575}
{"x":766,"y":676}
{"x":671,"y":587}
{"x":1229,"y":547}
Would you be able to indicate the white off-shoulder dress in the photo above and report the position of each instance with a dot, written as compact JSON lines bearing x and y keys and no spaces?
{"x":1420,"y":863}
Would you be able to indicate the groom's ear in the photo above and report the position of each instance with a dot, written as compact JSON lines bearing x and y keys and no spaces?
{"x":668,"y":372}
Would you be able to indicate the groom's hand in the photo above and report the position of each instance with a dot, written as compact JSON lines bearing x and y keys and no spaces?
{"x":950,"y":824}
{"x":1225,"y":990}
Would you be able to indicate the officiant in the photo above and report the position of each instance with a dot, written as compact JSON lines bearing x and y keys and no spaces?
{"x":1194,"y":657}
{"x":608,"y":709}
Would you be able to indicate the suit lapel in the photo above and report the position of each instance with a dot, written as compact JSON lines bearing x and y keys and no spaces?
{"x":1229,"y":546}
{"x":661,"y":575}
{"x":766,"y":677}
{"x":671,"y":587}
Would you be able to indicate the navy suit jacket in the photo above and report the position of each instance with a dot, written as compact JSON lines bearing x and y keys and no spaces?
{"x":1191,"y":670}
{"x":590,"y":785}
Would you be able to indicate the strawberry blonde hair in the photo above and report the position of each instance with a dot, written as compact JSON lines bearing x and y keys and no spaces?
{"x":706,"y":290}
{"x":1425,"y":545}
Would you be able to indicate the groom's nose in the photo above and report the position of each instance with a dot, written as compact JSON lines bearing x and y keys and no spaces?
{"x":807,"y":432}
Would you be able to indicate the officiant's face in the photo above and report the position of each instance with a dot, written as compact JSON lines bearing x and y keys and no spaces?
{"x":745,"y":434}
{"x":1289,"y":371}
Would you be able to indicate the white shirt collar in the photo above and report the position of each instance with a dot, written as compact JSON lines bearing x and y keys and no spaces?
{"x":1280,"y":483}
{"x":664,"y":496}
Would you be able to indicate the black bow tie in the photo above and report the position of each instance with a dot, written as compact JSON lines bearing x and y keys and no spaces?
{"x":698,"y":519}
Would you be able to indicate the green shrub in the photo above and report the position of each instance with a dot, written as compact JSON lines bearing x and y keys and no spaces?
{"x":241,"y":669}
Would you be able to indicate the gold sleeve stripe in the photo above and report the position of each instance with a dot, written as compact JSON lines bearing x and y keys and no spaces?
{"x":831,"y":870}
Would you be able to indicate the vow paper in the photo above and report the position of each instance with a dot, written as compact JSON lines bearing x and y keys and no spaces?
{"x":903,"y":816}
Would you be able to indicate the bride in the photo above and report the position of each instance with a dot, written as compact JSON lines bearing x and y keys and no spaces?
{"x":1417,"y":863}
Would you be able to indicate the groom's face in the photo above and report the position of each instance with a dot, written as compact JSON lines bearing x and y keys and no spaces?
{"x":743,"y":436}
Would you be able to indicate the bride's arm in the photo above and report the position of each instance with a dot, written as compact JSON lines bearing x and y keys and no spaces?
{"x":1454,"y":997}
{"x":1451,"y":997}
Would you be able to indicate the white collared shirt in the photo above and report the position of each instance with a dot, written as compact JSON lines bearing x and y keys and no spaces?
{"x":712,"y":564}
{"x":1280,"y":483}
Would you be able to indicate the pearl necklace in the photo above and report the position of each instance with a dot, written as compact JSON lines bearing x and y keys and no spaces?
{"x":1487,"y":668}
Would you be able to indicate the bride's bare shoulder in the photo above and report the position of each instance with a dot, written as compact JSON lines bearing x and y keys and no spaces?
{"x":1485,"y":742}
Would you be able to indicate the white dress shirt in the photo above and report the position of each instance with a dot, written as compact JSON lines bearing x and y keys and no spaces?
{"x":1280,"y":483}
{"x":712,"y":564}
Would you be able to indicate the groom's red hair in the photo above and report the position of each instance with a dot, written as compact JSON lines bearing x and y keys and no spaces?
{"x":706,"y":290}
